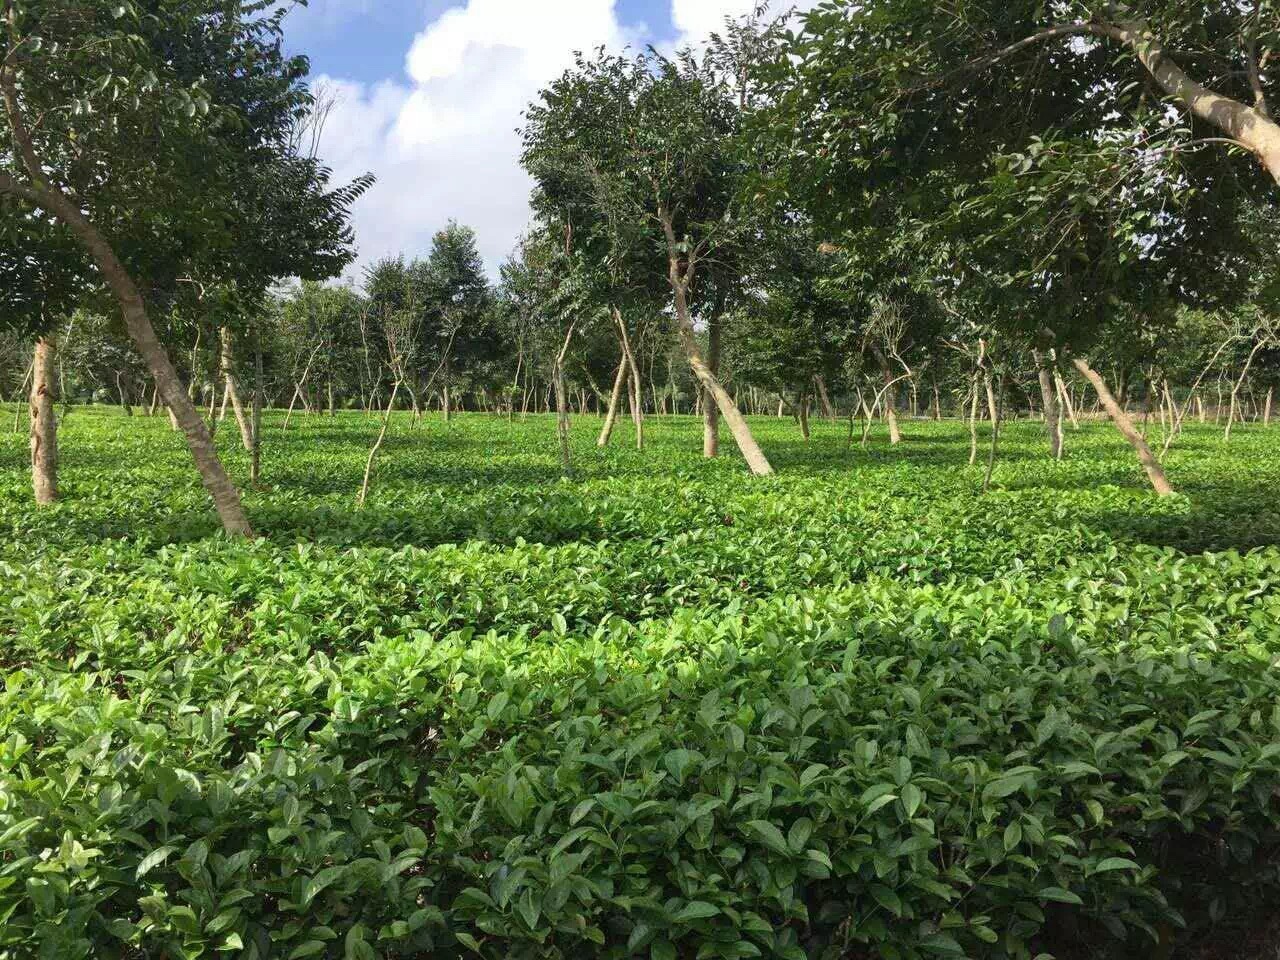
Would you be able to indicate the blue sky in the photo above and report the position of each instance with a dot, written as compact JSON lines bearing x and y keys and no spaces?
{"x":428,"y":97}
{"x":368,"y":41}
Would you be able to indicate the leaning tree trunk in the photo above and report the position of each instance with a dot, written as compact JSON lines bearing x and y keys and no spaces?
{"x":1155,"y":473}
{"x":44,"y":424}
{"x":225,"y":496}
{"x":615,"y":399}
{"x":232,"y":391}
{"x":1052,"y":410}
{"x":752,"y":452}
{"x":711,"y":412}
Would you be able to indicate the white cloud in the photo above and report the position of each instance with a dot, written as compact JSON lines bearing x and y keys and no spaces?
{"x":444,"y":144}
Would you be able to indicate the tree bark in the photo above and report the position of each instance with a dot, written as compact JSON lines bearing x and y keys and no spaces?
{"x":751,"y":452}
{"x":1155,"y":473}
{"x":255,"y":435}
{"x":636,"y":395}
{"x":44,"y":424}
{"x":225,"y":496}
{"x":615,"y":398}
{"x":1251,"y":127}
{"x":973,"y":419}
{"x":711,"y":412}
{"x":1064,"y":398}
{"x":995,"y":437}
{"x":828,"y":410}
{"x":373,"y":452}
{"x":1052,"y":410}
{"x":562,"y":405}
{"x":890,"y":414}
{"x":232,"y":390}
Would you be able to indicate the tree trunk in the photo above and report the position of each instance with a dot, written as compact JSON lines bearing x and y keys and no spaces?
{"x":828,"y":410}
{"x":225,"y":496}
{"x":973,"y":419}
{"x":751,"y":452}
{"x":803,"y":416}
{"x":373,"y":452}
{"x":615,"y":398}
{"x":1155,"y":473}
{"x":124,"y":397}
{"x":995,"y":437}
{"x":711,"y":412}
{"x":1052,"y":411}
{"x":1235,"y":388}
{"x":636,"y":394}
{"x":233,"y":390}
{"x":890,"y":413}
{"x":562,"y":405}
{"x":1064,"y":398}
{"x":44,"y":424}
{"x":255,"y":434}
{"x":937,"y":402}
{"x":1266,"y":407}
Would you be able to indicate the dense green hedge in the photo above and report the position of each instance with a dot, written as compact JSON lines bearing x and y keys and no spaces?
{"x":722,"y":720}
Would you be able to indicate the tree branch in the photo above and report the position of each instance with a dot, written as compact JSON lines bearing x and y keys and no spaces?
{"x":1251,"y":57}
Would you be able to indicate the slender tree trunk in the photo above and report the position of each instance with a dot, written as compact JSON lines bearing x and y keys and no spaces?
{"x":615,"y":399}
{"x":1235,"y":388}
{"x":1155,"y":473}
{"x":995,"y":437}
{"x":255,"y":434}
{"x":937,"y":403}
{"x":1064,"y":398}
{"x":803,"y":416}
{"x":1266,"y":408}
{"x":373,"y":452}
{"x":562,"y":405}
{"x":828,"y":410}
{"x":890,"y":414}
{"x":636,"y":394}
{"x":711,"y":412}
{"x":973,"y":419}
{"x":1052,"y":412}
{"x":44,"y":424}
{"x":991,"y":396}
{"x":232,"y":390}
{"x":124,"y":397}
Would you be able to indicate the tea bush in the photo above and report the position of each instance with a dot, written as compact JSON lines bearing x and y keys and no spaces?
{"x":661,"y":710}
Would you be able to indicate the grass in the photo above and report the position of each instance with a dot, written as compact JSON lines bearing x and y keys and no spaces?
{"x":484,"y":623}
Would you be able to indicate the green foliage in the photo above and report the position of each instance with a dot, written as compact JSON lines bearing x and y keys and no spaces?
{"x":850,"y":708}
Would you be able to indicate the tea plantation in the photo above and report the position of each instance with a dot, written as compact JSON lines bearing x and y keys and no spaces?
{"x":660,"y":709}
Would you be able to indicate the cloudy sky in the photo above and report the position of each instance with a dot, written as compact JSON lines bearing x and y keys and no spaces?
{"x":430,"y":94}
